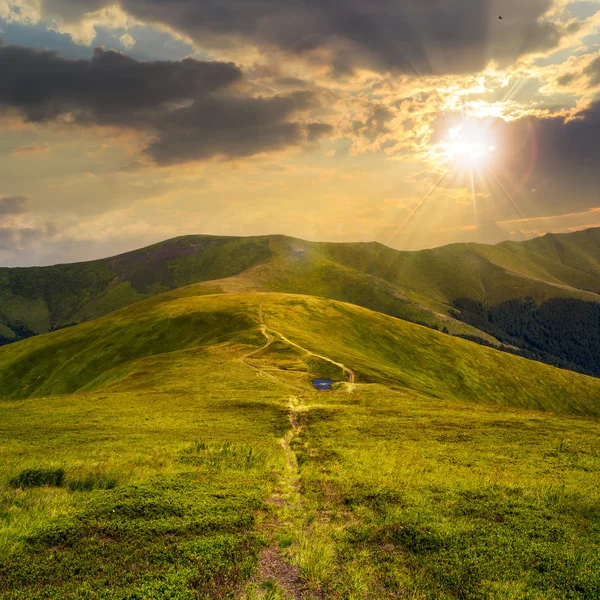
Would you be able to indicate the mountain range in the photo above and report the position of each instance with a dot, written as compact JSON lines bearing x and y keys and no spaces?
{"x":537,"y":298}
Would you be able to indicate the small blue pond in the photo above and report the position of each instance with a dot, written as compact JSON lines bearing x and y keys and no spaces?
{"x":323,"y":384}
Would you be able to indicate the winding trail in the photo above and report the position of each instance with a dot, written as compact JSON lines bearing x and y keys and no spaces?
{"x":270,"y":339}
{"x":286,"y":504}
{"x":349,"y":372}
{"x":267,"y":331}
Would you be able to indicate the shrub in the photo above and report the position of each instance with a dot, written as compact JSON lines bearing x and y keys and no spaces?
{"x":31,"y":478}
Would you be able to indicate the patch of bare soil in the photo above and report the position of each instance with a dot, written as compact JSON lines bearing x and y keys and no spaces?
{"x":273,"y":567}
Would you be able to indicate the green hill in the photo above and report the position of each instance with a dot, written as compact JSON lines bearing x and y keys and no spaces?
{"x":467,"y":289}
{"x":380,"y":349}
{"x":42,"y":298}
{"x":176,"y":449}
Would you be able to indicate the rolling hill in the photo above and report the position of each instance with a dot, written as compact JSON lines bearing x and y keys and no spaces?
{"x":466,"y":289}
{"x":380,"y":349}
{"x":175,"y":448}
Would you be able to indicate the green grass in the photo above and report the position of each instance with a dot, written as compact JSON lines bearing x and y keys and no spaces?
{"x":140,"y":455}
{"x":385,"y":350}
{"x":160,"y":491}
{"x":420,"y":498}
{"x":70,"y":359}
{"x":379,"y":348}
{"x":42,"y":297}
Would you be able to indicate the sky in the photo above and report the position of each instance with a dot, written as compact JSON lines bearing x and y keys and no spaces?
{"x":414,"y":123}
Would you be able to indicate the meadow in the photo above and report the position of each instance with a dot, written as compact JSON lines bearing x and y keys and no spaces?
{"x":176,"y":449}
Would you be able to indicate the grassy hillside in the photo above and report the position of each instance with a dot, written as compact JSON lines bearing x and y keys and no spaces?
{"x":405,"y":284}
{"x":542,"y":270}
{"x":176,"y":449}
{"x":379,"y":349}
{"x":41,"y":298}
{"x":162,"y":486}
{"x":457,"y":288}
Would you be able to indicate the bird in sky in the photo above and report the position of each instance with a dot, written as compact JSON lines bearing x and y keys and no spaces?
{"x":500,"y":18}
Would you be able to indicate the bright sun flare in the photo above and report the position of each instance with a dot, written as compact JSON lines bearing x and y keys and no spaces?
{"x":468,"y":147}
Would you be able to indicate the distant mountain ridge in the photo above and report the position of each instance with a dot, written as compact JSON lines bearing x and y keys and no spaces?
{"x":457,"y":288}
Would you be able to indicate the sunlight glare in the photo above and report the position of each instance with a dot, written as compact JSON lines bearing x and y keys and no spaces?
{"x":468,"y":147}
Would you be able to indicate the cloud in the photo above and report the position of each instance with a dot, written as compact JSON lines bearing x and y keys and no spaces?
{"x":13,"y":205}
{"x":424,"y":36}
{"x":544,"y":147}
{"x":233,"y":127}
{"x":374,"y":127}
{"x":33,"y":149}
{"x":541,"y":164}
{"x":16,"y":234}
{"x":127,"y":41}
{"x":593,"y":71}
{"x":190,"y":109}
{"x":21,"y":238}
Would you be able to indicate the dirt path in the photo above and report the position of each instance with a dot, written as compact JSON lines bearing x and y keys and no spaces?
{"x":349,"y":372}
{"x":266,"y":331}
{"x":270,"y":339}
{"x":273,"y":569}
{"x":274,"y":572}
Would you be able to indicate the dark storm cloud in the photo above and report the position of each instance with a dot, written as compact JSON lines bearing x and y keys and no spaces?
{"x":552,"y":145}
{"x":233,"y":127}
{"x":552,"y":161}
{"x":431,"y":36}
{"x":13,"y":205}
{"x":108,"y":88}
{"x":190,"y":107}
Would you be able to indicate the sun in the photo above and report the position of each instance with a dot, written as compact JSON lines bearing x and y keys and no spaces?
{"x":469,"y":147}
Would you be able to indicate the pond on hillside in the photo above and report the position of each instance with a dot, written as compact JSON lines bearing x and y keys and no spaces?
{"x":323,"y":384}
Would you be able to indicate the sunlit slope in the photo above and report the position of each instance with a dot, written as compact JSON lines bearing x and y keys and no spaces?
{"x":195,"y":455}
{"x":177,"y":485}
{"x":66,"y":360}
{"x":311,"y":271}
{"x":377,"y":348}
{"x":163,"y":486}
{"x":417,"y":286}
{"x":547,"y":267}
{"x":397,"y":353}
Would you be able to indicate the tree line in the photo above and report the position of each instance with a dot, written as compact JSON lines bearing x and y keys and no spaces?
{"x":564,"y":332}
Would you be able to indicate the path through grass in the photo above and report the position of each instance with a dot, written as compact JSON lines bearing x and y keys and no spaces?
{"x":214,"y":470}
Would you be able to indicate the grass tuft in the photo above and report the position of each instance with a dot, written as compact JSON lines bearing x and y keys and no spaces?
{"x":33,"y":478}
{"x":227,"y":455}
{"x":92,"y":482}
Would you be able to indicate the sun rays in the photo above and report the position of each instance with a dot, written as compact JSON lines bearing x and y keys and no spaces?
{"x":469,"y":147}
{"x":477,"y":178}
